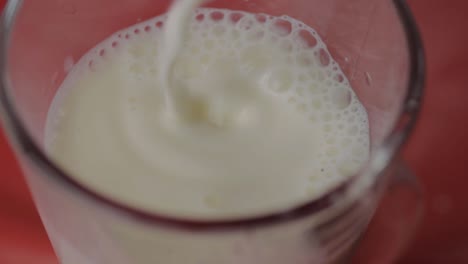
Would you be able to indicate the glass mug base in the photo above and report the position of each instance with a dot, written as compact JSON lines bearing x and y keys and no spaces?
{"x":339,"y":239}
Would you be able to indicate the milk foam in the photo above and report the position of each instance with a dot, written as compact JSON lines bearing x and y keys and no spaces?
{"x":284,"y":123}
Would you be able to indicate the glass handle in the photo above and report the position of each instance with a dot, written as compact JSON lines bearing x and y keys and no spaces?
{"x":395,"y":221}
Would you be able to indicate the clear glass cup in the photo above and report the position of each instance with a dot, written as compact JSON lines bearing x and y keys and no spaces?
{"x":375,"y":42}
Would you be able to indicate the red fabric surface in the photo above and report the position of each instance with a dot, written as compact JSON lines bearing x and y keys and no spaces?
{"x":436,"y":153}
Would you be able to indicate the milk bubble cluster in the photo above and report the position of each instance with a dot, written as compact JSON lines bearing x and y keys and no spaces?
{"x":272,"y":121}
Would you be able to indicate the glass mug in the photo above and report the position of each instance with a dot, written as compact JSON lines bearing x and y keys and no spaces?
{"x":376,"y":44}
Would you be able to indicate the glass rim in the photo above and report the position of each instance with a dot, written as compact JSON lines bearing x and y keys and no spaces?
{"x":22,"y":139}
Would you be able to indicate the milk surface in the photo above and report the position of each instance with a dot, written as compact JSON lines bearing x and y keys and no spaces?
{"x":269,"y":120}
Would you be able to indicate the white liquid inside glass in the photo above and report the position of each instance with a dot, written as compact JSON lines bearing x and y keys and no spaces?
{"x":269,"y":119}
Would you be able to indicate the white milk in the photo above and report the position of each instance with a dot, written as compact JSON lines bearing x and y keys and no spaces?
{"x":269,"y":119}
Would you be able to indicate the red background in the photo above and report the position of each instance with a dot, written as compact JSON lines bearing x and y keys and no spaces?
{"x":436,"y":153}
